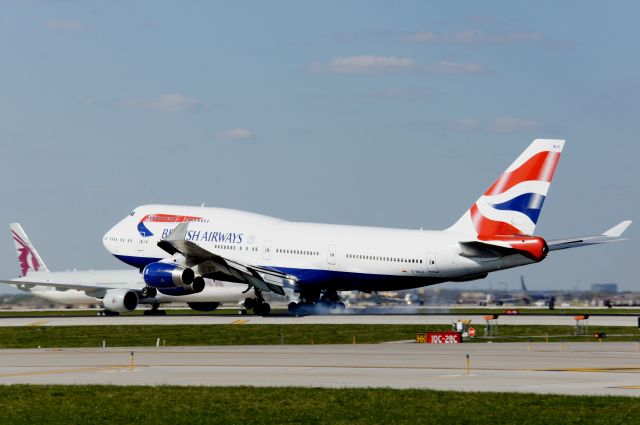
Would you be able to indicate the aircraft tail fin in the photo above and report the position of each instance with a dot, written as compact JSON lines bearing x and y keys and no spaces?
{"x":28,"y":257}
{"x":512,"y":204}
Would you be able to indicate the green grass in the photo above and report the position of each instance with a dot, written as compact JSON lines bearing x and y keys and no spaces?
{"x":24,"y":404}
{"x":248,"y":334}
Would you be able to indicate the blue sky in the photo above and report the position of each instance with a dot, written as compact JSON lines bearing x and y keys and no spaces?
{"x":378,"y":113}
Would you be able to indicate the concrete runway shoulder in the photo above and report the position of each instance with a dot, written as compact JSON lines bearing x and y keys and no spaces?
{"x":571,"y":368}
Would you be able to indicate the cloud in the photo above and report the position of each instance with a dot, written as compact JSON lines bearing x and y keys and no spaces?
{"x":397,"y":94}
{"x":501,"y":125}
{"x":471,"y":38}
{"x":173,"y":102}
{"x":234,"y":134}
{"x":371,"y":64}
{"x":447,"y":67}
{"x":363,"y":64}
{"x":68,"y":26}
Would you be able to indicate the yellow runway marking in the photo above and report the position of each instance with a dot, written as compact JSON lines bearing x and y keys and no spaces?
{"x":38,"y":323}
{"x":61,"y":371}
{"x":631,"y":387}
{"x":594,"y":369}
{"x":239,"y":322}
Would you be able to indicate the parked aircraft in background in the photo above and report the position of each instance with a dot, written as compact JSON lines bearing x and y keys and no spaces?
{"x":118,"y":291}
{"x":173,"y":245}
{"x":522,"y":297}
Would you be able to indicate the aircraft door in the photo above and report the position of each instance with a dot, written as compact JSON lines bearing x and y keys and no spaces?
{"x":331,"y":256}
{"x":267,"y":250}
{"x":141,"y":243}
{"x":432,"y":265}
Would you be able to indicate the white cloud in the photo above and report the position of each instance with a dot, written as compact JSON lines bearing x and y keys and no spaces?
{"x":466,"y":124}
{"x":472,"y":38}
{"x":364,"y":64}
{"x":234,"y":134}
{"x":173,"y":102}
{"x":511,"y":125}
{"x":497,"y":125}
{"x":397,"y":93}
{"x":370,"y":64}
{"x":447,"y":67}
{"x":58,"y":25}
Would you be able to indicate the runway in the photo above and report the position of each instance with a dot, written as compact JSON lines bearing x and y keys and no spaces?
{"x":571,"y":368}
{"x":338,"y":319}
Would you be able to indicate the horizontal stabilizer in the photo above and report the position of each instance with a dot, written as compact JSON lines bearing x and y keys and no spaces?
{"x":612,"y":235}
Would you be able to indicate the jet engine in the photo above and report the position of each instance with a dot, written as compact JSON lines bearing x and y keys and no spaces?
{"x":172,"y":279}
{"x":120,"y":300}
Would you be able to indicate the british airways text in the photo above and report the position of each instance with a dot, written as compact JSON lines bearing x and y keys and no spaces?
{"x":200,"y":236}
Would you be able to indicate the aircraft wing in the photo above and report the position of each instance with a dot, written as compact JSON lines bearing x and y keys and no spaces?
{"x":612,"y":235}
{"x":210,"y":263}
{"x":63,"y":286}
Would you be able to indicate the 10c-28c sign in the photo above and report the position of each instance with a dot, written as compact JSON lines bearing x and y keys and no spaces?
{"x":447,"y":337}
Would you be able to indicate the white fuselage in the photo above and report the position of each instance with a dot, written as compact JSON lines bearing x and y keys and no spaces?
{"x":337,"y":256}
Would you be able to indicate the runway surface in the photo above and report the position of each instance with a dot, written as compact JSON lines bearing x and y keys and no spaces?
{"x":414,"y":319}
{"x":571,"y":368}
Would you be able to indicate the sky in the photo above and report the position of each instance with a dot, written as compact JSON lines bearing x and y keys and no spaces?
{"x":378,"y":113}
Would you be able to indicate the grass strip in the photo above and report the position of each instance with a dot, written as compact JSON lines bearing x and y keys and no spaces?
{"x":26,"y":404}
{"x":248,"y":334}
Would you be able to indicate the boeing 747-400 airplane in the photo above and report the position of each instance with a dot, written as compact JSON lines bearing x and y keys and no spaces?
{"x":174,"y":245}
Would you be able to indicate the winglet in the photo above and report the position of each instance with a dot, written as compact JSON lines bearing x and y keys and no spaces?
{"x":617,"y":230}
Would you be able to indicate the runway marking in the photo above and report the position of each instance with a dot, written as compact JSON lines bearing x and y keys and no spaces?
{"x":240,"y":322}
{"x":630,"y":387}
{"x":594,"y":369}
{"x":38,"y":323}
{"x":61,"y":371}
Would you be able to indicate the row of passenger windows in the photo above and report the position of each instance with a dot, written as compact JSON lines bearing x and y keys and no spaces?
{"x":236,"y":247}
{"x":296,"y":251}
{"x":389,"y":259}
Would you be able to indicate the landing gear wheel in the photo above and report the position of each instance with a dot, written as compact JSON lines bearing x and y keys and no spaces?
{"x":155,"y":311}
{"x":292,"y":308}
{"x":148,"y":292}
{"x":262,"y":309}
{"x":250,"y":303}
{"x":243,"y":312}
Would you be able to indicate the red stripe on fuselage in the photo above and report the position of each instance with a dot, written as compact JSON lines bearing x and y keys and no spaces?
{"x":539,"y":167}
{"x":168,"y":218}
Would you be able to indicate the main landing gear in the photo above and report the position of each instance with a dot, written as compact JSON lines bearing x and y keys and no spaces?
{"x":326,"y":301}
{"x":155,"y":311}
{"x":258,"y":305}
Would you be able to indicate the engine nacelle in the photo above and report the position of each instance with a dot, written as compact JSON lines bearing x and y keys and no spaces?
{"x":167,"y":275}
{"x":120,"y":300}
{"x":194,"y":288}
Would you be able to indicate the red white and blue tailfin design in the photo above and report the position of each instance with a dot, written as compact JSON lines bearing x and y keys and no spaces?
{"x":512,"y":204}
{"x":28,"y":257}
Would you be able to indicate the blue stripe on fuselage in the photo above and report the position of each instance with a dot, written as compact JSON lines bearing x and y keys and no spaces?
{"x":339,"y":280}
